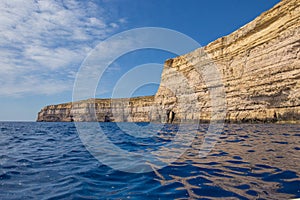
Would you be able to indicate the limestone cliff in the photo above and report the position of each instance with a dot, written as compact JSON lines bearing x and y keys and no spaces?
{"x":259,"y":67}
{"x":135,"y":109}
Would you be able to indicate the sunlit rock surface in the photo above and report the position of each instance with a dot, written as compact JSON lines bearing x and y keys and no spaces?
{"x":256,"y":69}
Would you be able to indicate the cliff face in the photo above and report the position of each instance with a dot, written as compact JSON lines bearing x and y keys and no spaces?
{"x":136,"y":109}
{"x":259,"y":67}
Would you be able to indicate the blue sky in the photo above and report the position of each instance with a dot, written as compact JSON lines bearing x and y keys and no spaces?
{"x":43,"y":43}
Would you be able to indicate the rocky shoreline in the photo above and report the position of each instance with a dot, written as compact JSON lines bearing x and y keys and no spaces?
{"x":259,"y":66}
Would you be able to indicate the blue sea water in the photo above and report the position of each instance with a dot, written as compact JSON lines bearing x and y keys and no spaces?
{"x":249,"y":161}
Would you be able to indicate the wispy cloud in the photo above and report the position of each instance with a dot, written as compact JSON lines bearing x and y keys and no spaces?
{"x":42,"y":43}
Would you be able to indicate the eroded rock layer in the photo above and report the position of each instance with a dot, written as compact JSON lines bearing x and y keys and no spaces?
{"x":136,"y":109}
{"x":250,"y":75}
{"x":259,"y":71}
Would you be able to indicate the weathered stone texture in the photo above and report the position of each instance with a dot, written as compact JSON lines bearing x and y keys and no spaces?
{"x":259,"y":67}
{"x":259,"y":71}
{"x":135,"y":109}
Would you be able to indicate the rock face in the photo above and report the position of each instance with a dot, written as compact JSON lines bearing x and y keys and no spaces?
{"x":250,"y":75}
{"x":136,"y":109}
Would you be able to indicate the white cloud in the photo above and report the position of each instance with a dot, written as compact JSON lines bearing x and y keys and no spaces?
{"x":43,"y":42}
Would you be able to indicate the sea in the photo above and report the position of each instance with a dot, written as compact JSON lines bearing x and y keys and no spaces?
{"x":43,"y":160}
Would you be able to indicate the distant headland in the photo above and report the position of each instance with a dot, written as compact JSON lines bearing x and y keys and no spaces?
{"x":260,"y":69}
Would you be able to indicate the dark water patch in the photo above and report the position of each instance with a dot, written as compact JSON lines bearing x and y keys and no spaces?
{"x":290,"y":187}
{"x":237,"y":157}
{"x":252,"y":193}
{"x":243,"y":186}
{"x":264,"y":166}
{"x":281,"y":176}
{"x":280,"y":142}
{"x":237,"y":162}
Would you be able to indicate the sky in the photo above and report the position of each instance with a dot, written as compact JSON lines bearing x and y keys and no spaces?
{"x":44,"y":42}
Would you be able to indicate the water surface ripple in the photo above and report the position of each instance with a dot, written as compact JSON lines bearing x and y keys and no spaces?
{"x":250,"y":161}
